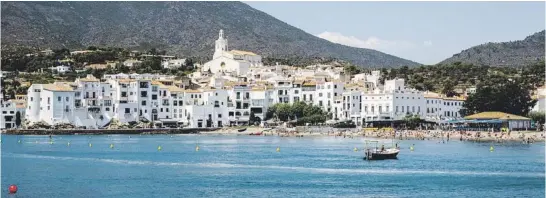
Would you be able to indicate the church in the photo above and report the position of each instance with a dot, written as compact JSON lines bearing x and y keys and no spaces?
{"x":234,"y":61}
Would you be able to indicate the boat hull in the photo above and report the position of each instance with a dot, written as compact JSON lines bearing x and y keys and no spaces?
{"x":381,"y":155}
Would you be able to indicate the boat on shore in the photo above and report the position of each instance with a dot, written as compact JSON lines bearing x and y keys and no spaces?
{"x":241,"y":130}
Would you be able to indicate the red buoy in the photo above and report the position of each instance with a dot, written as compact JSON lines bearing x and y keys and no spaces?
{"x":12,"y":189}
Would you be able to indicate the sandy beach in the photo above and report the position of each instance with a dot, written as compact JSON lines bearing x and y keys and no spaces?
{"x":432,"y":135}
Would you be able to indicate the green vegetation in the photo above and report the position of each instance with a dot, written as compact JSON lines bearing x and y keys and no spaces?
{"x":538,"y":117}
{"x":499,"y":94}
{"x":453,"y":79}
{"x":299,"y":111}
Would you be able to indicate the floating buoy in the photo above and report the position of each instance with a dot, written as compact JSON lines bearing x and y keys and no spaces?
{"x":36,"y":141}
{"x":159,"y":148}
{"x":278,"y":149}
{"x":111,"y":146}
{"x":68,"y":144}
{"x":19,"y":141}
{"x":50,"y":142}
{"x":196,"y":148}
{"x":355,"y":149}
{"x":90,"y":145}
{"x":491,"y":149}
{"x":12,"y":189}
{"x":411,"y":148}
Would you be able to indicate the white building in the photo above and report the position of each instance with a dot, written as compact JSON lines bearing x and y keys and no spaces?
{"x":61,"y":69}
{"x":234,"y":61}
{"x":173,"y":64}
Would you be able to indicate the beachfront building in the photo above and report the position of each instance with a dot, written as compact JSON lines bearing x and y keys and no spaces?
{"x":440,"y":108}
{"x":8,"y":115}
{"x":393,"y":101}
{"x":496,"y":121}
{"x":50,"y":103}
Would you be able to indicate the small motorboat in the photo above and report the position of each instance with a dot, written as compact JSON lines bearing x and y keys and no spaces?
{"x":377,"y":153}
{"x":259,"y":133}
{"x":241,"y":130}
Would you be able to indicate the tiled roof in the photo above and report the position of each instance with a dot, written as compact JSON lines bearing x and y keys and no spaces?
{"x":53,"y":87}
{"x":239,"y":52}
{"x":495,"y":115}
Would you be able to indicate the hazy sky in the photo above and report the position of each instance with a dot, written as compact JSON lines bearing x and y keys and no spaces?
{"x":425,"y":32}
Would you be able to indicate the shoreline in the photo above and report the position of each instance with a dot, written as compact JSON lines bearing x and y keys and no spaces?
{"x":424,"y":135}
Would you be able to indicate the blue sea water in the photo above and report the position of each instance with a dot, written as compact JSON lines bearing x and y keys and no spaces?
{"x":249,"y":166}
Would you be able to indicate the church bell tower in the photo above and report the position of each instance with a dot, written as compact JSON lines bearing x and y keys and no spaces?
{"x":221,"y":45}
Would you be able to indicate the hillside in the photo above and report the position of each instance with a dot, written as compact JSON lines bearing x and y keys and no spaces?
{"x":181,"y":28}
{"x":504,"y":54}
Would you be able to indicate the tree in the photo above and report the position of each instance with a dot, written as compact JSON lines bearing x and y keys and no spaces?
{"x":18,"y":119}
{"x":538,"y":117}
{"x":508,"y":96}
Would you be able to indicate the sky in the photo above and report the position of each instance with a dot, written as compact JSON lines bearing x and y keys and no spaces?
{"x":424,"y":32}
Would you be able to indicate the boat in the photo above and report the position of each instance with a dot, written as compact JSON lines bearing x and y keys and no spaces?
{"x":380,"y":153}
{"x":241,"y":130}
{"x":259,"y":133}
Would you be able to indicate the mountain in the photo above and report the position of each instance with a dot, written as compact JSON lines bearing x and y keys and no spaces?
{"x":182,"y":28}
{"x":505,"y":54}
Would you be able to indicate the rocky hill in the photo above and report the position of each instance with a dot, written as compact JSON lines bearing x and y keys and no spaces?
{"x":182,"y":28}
{"x":505,"y":54}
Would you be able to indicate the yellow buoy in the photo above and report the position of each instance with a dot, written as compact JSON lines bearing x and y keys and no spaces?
{"x":196,"y":148}
{"x":159,"y":148}
{"x":278,"y":149}
{"x":90,"y":145}
{"x":111,"y":146}
{"x":491,"y":149}
{"x":355,"y":149}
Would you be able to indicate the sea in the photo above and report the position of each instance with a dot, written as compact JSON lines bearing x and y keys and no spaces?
{"x":129,"y":166}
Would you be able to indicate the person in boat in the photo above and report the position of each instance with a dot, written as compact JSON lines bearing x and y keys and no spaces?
{"x":382,"y":148}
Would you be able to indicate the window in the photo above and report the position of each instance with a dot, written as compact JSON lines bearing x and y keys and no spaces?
{"x":387,"y":108}
{"x":48,"y":100}
{"x":161,"y":110}
{"x":335,"y":86}
{"x":31,"y":99}
{"x":373,"y":109}
{"x":127,"y":110}
{"x":124,"y":94}
{"x":143,"y":103}
{"x":59,"y":98}
{"x":67,"y":99}
{"x":219,"y":115}
{"x":154,"y":97}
